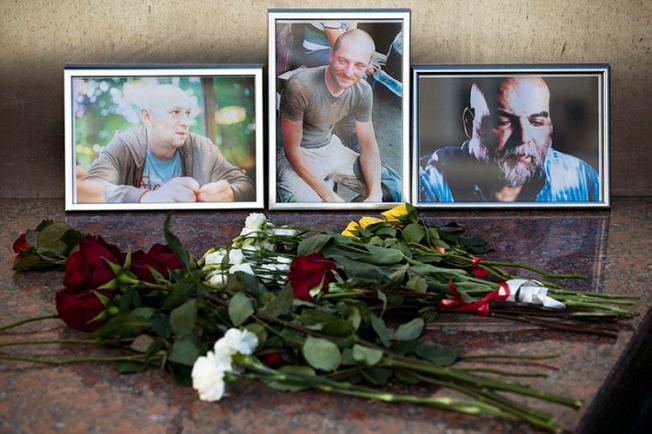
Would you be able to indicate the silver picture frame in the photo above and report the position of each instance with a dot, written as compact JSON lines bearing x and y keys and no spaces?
{"x":393,"y":134}
{"x":240,"y":91}
{"x":453,"y":165}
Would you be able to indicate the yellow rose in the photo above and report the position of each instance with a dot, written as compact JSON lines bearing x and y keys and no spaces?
{"x":367,"y":221}
{"x":394,"y":214}
{"x":349,"y":231}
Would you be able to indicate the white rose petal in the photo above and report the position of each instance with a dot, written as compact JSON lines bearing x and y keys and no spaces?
{"x":248,"y":232}
{"x":283,"y":260}
{"x":255,"y":221}
{"x":251,"y":248}
{"x":236,"y":257}
{"x":245,"y":268}
{"x":285,"y":232}
{"x":239,"y":341}
{"x":215,"y":258}
{"x":208,"y":378}
{"x":217,"y":279}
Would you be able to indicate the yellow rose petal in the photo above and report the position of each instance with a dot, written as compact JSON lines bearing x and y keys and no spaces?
{"x":395,"y":213}
{"x":349,"y":231}
{"x":367,"y":221}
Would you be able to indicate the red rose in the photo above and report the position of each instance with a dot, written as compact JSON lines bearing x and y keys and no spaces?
{"x":87,"y":268}
{"x":160,"y":257}
{"x":21,"y":244}
{"x":306,"y":272}
{"x":76,"y":309}
{"x":273,"y":360}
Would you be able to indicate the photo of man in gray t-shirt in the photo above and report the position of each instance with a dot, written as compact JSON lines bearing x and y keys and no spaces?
{"x":313,"y":158}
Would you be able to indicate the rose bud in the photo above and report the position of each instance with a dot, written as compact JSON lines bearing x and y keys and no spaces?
{"x":87,"y":268}
{"x":77,"y":309}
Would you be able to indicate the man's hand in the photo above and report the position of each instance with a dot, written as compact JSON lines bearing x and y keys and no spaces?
{"x":88,"y":191}
{"x":182,"y":189}
{"x":332,"y":197}
{"x":218,"y":191}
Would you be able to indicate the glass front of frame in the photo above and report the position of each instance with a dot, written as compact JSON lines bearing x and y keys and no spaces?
{"x":525,"y":136}
{"x":163,"y":138}
{"x":338,"y":109}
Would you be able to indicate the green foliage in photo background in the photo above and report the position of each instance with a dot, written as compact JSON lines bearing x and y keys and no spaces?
{"x":224,"y":111}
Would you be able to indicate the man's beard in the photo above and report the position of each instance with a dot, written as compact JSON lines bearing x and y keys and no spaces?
{"x":513,"y":171}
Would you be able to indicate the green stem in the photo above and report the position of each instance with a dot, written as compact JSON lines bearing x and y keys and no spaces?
{"x":510,"y":356}
{"x":73,"y":360}
{"x":25,"y":321}
{"x":58,"y":341}
{"x":479,"y":381}
{"x":535,"y":417}
{"x":505,"y":373}
{"x":534,"y":269}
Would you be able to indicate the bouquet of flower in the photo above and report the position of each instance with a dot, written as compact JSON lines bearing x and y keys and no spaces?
{"x":339,"y":313}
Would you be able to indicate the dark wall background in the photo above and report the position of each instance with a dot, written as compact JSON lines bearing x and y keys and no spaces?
{"x":39,"y":37}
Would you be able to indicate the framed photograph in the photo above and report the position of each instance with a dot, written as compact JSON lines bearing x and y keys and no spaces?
{"x":517,"y":136}
{"x":158,"y":138}
{"x":339,"y":88}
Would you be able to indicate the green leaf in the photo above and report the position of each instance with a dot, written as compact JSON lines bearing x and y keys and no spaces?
{"x":49,"y":239}
{"x":71,"y":238}
{"x":281,"y":304}
{"x":240,"y":308}
{"x":123,"y":326}
{"x":437,"y":356}
{"x":417,"y":284}
{"x":185,"y":351}
{"x":377,"y":376}
{"x":129,"y":367}
{"x":414,"y":232}
{"x":174,"y":244}
{"x":288,"y":385}
{"x":337,"y":327}
{"x":321,"y":354}
{"x":141,"y":343}
{"x":353,"y":316}
{"x":370,"y":356}
{"x":347,"y":357}
{"x":384,"y":334}
{"x":29,"y":263}
{"x":182,"y":319}
{"x":382,"y":256}
{"x":410,"y":330}
{"x":382,"y":297}
{"x":157,"y":345}
{"x":313,"y":244}
{"x":161,"y":325}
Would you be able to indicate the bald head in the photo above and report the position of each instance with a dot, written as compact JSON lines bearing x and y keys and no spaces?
{"x":163,"y":96}
{"x":358,"y":39}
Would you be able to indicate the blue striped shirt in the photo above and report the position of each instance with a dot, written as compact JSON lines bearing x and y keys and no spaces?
{"x":452,"y":173}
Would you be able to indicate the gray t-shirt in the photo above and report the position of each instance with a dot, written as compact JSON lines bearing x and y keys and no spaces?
{"x":307,"y":98}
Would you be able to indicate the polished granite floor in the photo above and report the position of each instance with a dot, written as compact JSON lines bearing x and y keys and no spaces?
{"x":611,"y":247}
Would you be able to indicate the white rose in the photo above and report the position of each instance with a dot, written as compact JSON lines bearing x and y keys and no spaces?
{"x":208,"y":378}
{"x":255,"y":221}
{"x":245,"y":268}
{"x":214,"y":258}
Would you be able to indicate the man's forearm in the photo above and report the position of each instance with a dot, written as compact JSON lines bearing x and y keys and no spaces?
{"x":301,"y":166}
{"x":292,"y":137}
{"x":369,"y":159}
